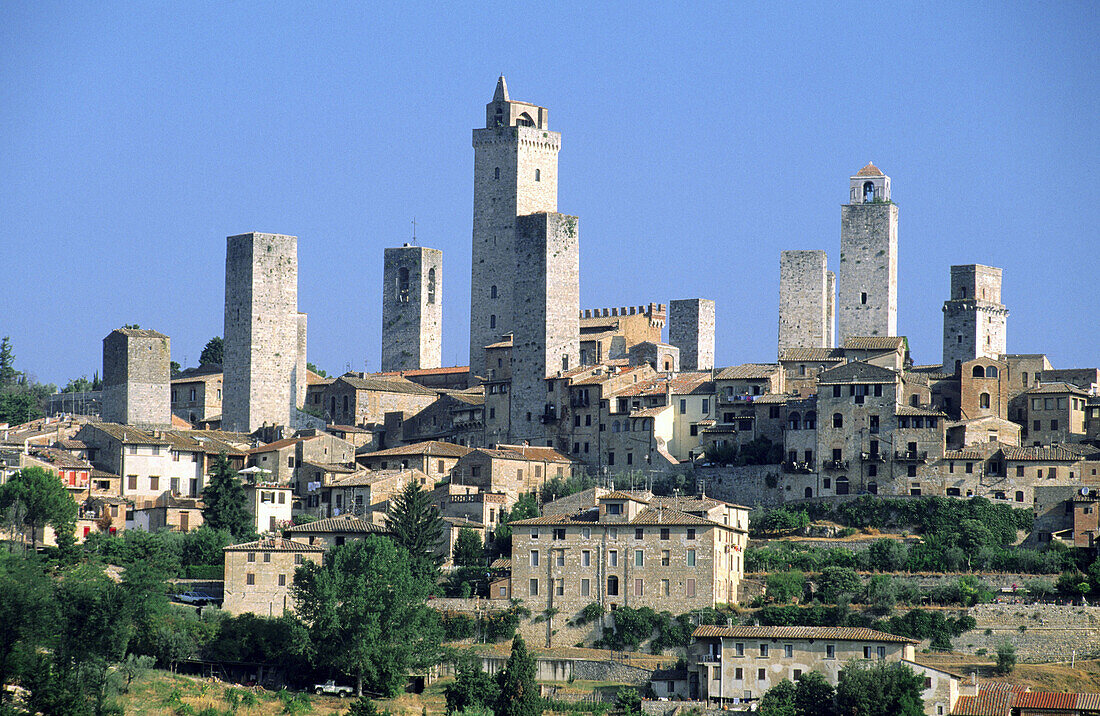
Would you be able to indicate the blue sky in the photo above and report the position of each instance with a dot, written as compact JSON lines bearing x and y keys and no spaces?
{"x":697,"y":143}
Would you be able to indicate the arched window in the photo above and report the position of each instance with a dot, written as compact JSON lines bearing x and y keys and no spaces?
{"x":496,"y":173}
{"x":978,"y":372}
{"x":794,"y":421}
{"x":612,"y":586}
{"x":810,"y":421}
{"x":868,"y":191}
{"x":538,"y":175}
{"x":983,"y":400}
{"x":431,"y":285}
{"x":492,"y":292}
{"x":403,"y":284}
{"x":626,"y":426}
{"x":809,"y":492}
{"x":524,"y":120}
{"x":991,"y":371}
{"x":838,"y":420}
{"x":615,"y":426}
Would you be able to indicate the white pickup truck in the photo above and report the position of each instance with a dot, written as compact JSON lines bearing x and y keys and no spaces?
{"x":330,"y":687}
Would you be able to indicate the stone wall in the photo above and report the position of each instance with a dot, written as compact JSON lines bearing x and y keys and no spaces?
{"x":412,"y":308}
{"x":691,"y":329}
{"x":868,"y":265}
{"x":804,"y":301}
{"x":1040,"y":632}
{"x":137,"y":378}
{"x":974,"y":319}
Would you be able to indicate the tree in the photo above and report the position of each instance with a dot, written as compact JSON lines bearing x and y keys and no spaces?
{"x":469,"y":550}
{"x":366,"y":613}
{"x":174,"y":369}
{"x":785,"y":586}
{"x":315,"y":369}
{"x":27,"y":612}
{"x":134,"y":668}
{"x":973,"y":536}
{"x":519,"y":694}
{"x":813,"y":695}
{"x":45,"y":501}
{"x":415,"y":524}
{"x":225,"y":505}
{"x":881,"y":592}
{"x":835,"y":581}
{"x":629,"y":700}
{"x":18,"y":406}
{"x":8,"y":375}
{"x":1073,"y":583}
{"x":887,"y":555}
{"x":1006,"y":658}
{"x":472,"y":687}
{"x":779,"y":700}
{"x":213,"y":353}
{"x":879,"y":689}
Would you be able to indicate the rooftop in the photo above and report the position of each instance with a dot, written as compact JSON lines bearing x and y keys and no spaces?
{"x":343,"y":523}
{"x":800,"y":632}
{"x":273,"y":544}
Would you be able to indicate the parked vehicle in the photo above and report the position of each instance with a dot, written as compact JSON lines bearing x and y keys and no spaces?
{"x":330,"y":687}
{"x":194,"y":598}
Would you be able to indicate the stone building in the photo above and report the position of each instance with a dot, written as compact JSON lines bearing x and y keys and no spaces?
{"x":515,"y":174}
{"x":512,"y":469}
{"x":802,"y":365}
{"x":974,"y":319}
{"x":412,"y":308}
{"x":334,"y":531}
{"x":367,"y":398}
{"x":691,"y":329}
{"x":431,"y":457}
{"x":807,"y":301}
{"x":868,"y":276}
{"x":258,"y":575}
{"x":1056,"y":413}
{"x":262,"y":331}
{"x":546,"y":323}
{"x":136,"y":376}
{"x":610,"y":333}
{"x":197,"y":394}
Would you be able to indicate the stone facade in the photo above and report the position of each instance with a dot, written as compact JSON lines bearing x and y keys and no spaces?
{"x":515,"y":173}
{"x":301,"y":377}
{"x":197,"y":397}
{"x":258,"y":575}
{"x":974,"y":319}
{"x":261,"y":331}
{"x":691,"y":329}
{"x":805,"y":300}
{"x":546,"y":337}
{"x":868,"y":276}
{"x":136,"y":378}
{"x":412,"y":308}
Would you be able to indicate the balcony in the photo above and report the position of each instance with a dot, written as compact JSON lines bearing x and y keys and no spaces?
{"x":550,"y":414}
{"x":835,"y":464}
{"x":797,"y":468}
{"x":872,"y":457}
{"x":911,"y":455}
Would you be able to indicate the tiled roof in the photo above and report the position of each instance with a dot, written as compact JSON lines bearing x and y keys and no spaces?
{"x":874,"y":343}
{"x":910,"y":410}
{"x":858,"y":372}
{"x":501,"y":563}
{"x":317,"y":379}
{"x":1044,"y":700}
{"x":534,"y":452}
{"x":370,"y":477}
{"x":450,"y":370}
{"x":694,"y":503}
{"x":433,"y":448}
{"x":747,"y":371}
{"x":274,"y":544}
{"x":330,"y":466}
{"x":462,"y":522}
{"x":870,"y":171}
{"x":279,"y":444}
{"x":987,"y":703}
{"x":342,"y":523}
{"x":129,"y":435}
{"x":386,"y":384}
{"x":648,"y":516}
{"x":60,"y":458}
{"x":800,"y":632}
{"x":649,"y":412}
{"x":770,"y":399}
{"x":1058,"y":387}
{"x":643,"y":497}
{"x":507,"y":343}
{"x":811,"y":355}
{"x":1055,"y":453}
{"x":470,"y":398}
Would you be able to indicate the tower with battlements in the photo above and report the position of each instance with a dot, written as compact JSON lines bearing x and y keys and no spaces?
{"x":412,"y":308}
{"x":806,"y":300}
{"x":868,"y":276}
{"x":264,"y":335}
{"x":975,"y":321}
{"x":515,"y":174}
{"x":691,"y":329}
{"x":137,"y":378}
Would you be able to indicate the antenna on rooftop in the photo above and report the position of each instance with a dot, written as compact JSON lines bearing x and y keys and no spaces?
{"x":414,"y":231}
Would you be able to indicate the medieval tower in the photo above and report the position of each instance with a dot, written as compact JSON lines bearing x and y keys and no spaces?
{"x":137,"y":378}
{"x":262,"y":331}
{"x":515,"y":173}
{"x":691,"y":329}
{"x":806,"y":300}
{"x":974,"y":319}
{"x":868,"y":258}
{"x":412,"y":308}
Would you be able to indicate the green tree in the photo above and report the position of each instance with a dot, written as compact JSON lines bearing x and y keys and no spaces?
{"x":18,"y":406}
{"x":213,"y":352}
{"x":1072,"y":583}
{"x":416,"y":525}
{"x":8,"y":375}
{"x":519,"y":694}
{"x":366,"y":613}
{"x":175,"y":369}
{"x":204,"y":546}
{"x":44,"y":501}
{"x":225,"y":503}
{"x":879,"y":689}
{"x":881,"y":592}
{"x":629,"y":700}
{"x":779,"y":700}
{"x":785,"y":586}
{"x":315,"y":369}
{"x":472,"y":687}
{"x":887,"y":555}
{"x":973,"y":536}
{"x":1006,"y":658}
{"x":835,"y":581}
{"x":27,"y":613}
{"x":469,"y":550}
{"x":813,"y":695}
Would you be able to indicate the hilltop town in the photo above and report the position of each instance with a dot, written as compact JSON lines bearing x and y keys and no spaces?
{"x":591,"y":480}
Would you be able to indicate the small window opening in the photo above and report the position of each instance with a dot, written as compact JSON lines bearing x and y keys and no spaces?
{"x":863,"y":298}
{"x":868,"y":191}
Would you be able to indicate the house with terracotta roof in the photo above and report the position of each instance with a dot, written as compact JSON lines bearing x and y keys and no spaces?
{"x":1055,"y":413}
{"x":258,"y":575}
{"x":1002,"y":699}
{"x":366,"y":398}
{"x":335,"y":531}
{"x":196,"y":395}
{"x":512,"y":469}
{"x":431,"y":457}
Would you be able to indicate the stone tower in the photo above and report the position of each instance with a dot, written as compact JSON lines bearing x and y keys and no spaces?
{"x":515,"y":173}
{"x":975,"y":321}
{"x":691,"y":329}
{"x":412,"y":308}
{"x":868,"y":258}
{"x":806,"y":300}
{"x":262,"y":330}
{"x":137,"y":378}
{"x":301,"y":384}
{"x":546,"y":336}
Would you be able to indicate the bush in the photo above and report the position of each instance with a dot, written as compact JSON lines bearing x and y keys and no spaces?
{"x":1006,"y":658}
{"x":785,"y":586}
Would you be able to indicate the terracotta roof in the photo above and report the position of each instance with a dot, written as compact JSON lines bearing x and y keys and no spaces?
{"x":874,"y":343}
{"x":800,"y":632}
{"x":694,"y":503}
{"x":370,"y":477}
{"x":910,"y":410}
{"x":385,"y":384}
{"x":648,"y":516}
{"x":59,"y":458}
{"x":279,"y":444}
{"x":316,"y":378}
{"x":858,"y":372}
{"x":462,"y":522}
{"x":812,"y":354}
{"x":451,"y":370}
{"x":643,"y":497}
{"x":186,"y":377}
{"x":129,"y":435}
{"x":342,"y":523}
{"x":433,"y":448}
{"x":346,"y":429}
{"x":1057,"y":387}
{"x":649,"y":412}
{"x":870,"y":171}
{"x":1044,"y":700}
{"x":987,"y":703}
{"x":1068,"y":452}
{"x":507,"y":343}
{"x":501,"y":563}
{"x":534,"y":452}
{"x":274,"y":544}
{"x":770,"y":399}
{"x":747,"y":371}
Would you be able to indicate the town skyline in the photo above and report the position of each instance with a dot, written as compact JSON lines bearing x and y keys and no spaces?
{"x":346,"y":166}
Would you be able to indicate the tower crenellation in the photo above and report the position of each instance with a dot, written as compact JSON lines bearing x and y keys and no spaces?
{"x":975,"y":322}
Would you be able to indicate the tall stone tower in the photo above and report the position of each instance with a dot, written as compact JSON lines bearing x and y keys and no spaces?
{"x":546,"y":334}
{"x":262,"y":329}
{"x":412,"y":308}
{"x":691,"y":329}
{"x":137,"y":378}
{"x":869,"y":258}
{"x":301,"y":384}
{"x":806,"y":300}
{"x":975,"y":322}
{"x":515,"y":173}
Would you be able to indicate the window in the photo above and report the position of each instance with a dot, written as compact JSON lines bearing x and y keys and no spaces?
{"x":706,"y":405}
{"x":788,"y":650}
{"x":559,"y":587}
{"x":664,"y":533}
{"x":691,"y":533}
{"x":683,"y":406}
{"x":739,"y":674}
{"x":863,"y":298}
{"x":763,"y":650}
{"x":613,"y":558}
{"x":1053,"y":424}
{"x":838,"y":420}
{"x":639,"y":533}
{"x":251,"y":556}
{"x":797,"y":674}
{"x":761,"y":674}
{"x":586,"y":533}
{"x":559,"y":558}
{"x":739,"y":649}
{"x":533,"y":587}
{"x":431,"y":285}
{"x":250,"y":578}
{"x":403,"y":284}
{"x":612,"y":586}
{"x":639,"y":558}
{"x":691,"y":587}
{"x":614,"y":508}
{"x":282,"y":580}
{"x":866,"y":652}
{"x":610,"y":458}
{"x":558,"y":533}
{"x":983,"y":400}
{"x":534,"y":558}
{"x":154,"y":483}
{"x":666,"y":557}
{"x":691,"y":558}
{"x":131,"y":481}
{"x":496,"y":171}
{"x":664,"y":587}
{"x":638,"y":588}
{"x":297,"y":559}
{"x":538,"y":175}
{"x":830,"y":651}
{"x":881,"y":652}
{"x":492,"y":321}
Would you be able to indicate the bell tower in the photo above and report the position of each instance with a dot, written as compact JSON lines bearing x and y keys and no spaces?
{"x":868,"y":275}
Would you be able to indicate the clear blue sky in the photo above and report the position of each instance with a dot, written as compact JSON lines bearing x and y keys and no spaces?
{"x":698,"y":141}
